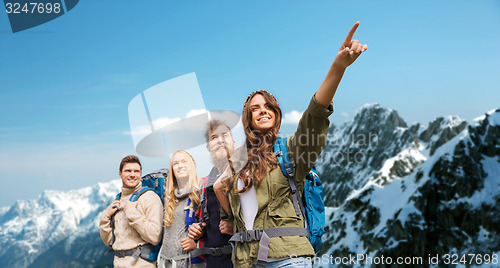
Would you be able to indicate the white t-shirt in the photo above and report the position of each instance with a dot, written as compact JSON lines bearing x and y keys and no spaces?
{"x":249,"y":204}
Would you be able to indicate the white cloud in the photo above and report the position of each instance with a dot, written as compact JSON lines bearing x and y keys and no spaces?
{"x":157,"y":124}
{"x":195,"y":112}
{"x":345,"y":114}
{"x":292,"y":117}
{"x":161,"y":122}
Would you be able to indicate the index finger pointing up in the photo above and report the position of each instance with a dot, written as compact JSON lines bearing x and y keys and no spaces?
{"x":351,"y":33}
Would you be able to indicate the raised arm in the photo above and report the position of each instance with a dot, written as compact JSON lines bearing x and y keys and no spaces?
{"x":349,"y":51}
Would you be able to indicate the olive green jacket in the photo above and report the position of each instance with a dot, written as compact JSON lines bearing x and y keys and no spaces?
{"x":275,"y":207}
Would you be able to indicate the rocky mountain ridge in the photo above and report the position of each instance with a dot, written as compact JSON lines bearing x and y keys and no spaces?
{"x":448,"y":204}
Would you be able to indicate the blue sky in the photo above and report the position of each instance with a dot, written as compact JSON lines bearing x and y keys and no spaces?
{"x":66,"y":84}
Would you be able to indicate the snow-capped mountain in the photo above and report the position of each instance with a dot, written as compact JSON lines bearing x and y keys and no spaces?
{"x":377,"y":145}
{"x":31,"y":228}
{"x":393,"y":189}
{"x":449,"y":204}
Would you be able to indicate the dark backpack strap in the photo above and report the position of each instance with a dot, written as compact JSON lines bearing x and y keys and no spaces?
{"x":203,"y":217}
{"x":112,"y":224}
{"x":141,"y":251}
{"x":217,"y":251}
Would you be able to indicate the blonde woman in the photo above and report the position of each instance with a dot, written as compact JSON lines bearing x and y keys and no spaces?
{"x":182,"y":196}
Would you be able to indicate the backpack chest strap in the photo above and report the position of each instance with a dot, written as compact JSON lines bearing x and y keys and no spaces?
{"x":140,"y":251}
{"x":264,"y":238}
{"x":216,"y":251}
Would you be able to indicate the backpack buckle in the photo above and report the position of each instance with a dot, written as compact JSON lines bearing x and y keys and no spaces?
{"x":251,"y":235}
{"x":216,"y":252}
{"x":117,"y":208}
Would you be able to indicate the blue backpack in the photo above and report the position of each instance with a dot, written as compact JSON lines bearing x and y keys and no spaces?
{"x":154,"y":181}
{"x":312,"y":205}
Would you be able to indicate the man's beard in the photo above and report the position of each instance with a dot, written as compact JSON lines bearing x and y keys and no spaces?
{"x":220,"y":159}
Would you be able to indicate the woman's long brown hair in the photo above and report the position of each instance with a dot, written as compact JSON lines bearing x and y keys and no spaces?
{"x":259,"y":145}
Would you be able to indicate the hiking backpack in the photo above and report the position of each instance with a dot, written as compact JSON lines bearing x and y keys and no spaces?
{"x":154,"y":181}
{"x":310,"y":203}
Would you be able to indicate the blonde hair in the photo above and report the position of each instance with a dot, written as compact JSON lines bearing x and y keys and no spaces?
{"x":171,"y":201}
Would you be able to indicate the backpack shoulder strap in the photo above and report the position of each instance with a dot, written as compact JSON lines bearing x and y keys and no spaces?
{"x":282,"y":156}
{"x":138,"y":193}
{"x":190,"y":215}
{"x":203,"y":211}
{"x":287,"y":169}
{"x":112,"y":224}
{"x":204,"y":184}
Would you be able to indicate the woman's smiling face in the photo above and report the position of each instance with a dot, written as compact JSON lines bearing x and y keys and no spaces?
{"x":180,"y":166}
{"x":263,"y":116}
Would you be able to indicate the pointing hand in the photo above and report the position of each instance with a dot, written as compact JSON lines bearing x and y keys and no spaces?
{"x":349,"y":50}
